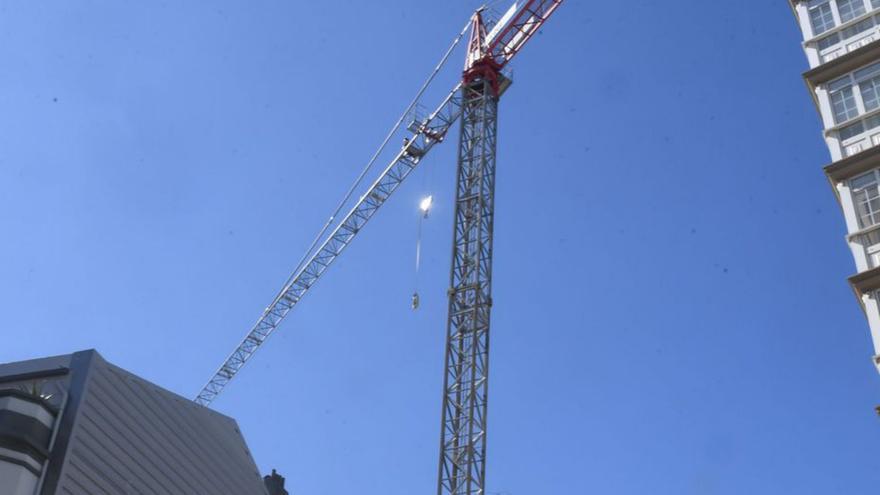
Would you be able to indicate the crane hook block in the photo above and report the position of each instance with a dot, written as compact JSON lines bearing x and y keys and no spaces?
{"x":415,"y":301}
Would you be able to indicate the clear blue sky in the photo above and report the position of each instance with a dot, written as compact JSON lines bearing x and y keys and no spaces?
{"x":671,"y":309}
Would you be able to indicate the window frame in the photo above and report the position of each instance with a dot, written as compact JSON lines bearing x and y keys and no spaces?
{"x":865,"y":10}
{"x":816,"y":6}
{"x":854,"y":91}
{"x":854,"y":191}
{"x":855,"y":83}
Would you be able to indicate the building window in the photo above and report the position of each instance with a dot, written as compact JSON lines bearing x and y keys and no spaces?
{"x":870,"y":94}
{"x":843,"y":101}
{"x":829,"y":41}
{"x":850,"y":9}
{"x":821,"y":18}
{"x":845,"y":92}
{"x":866,"y":198}
{"x":851,"y":131}
{"x":871,"y":243}
{"x":875,"y":4}
{"x":868,"y":80}
{"x":857,"y":28}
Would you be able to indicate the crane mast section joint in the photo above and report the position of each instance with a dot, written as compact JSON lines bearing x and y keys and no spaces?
{"x":423,"y":136}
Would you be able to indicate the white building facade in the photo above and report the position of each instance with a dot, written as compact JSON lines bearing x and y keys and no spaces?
{"x":842,"y":45}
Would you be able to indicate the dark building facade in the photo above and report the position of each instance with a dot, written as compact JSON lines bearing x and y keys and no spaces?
{"x":275,"y":484}
{"x":76,"y":424}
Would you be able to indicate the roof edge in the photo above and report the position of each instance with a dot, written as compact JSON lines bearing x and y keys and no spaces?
{"x":853,"y":165}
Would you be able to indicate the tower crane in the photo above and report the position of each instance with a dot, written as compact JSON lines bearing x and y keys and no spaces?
{"x":474,"y":100}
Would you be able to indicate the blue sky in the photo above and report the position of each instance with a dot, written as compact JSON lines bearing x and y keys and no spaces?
{"x":671,"y":308}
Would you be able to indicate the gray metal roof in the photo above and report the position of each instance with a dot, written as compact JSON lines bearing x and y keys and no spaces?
{"x":121,"y":434}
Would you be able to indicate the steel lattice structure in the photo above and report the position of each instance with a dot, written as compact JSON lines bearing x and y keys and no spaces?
{"x":462,"y":469}
{"x":465,"y":387}
{"x":424,"y":135}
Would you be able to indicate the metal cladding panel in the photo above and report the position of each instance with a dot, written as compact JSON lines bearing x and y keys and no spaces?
{"x":132,"y":437}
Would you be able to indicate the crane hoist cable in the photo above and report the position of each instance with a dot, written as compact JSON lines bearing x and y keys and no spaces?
{"x":424,"y":210}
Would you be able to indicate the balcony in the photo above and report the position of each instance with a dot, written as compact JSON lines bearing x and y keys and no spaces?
{"x":866,"y":134}
{"x":866,"y":248}
{"x":847,"y":38}
{"x":843,"y":38}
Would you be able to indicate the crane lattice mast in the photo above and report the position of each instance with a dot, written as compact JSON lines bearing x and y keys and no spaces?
{"x":466,"y":382}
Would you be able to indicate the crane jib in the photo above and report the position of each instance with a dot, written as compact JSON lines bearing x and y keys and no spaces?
{"x":519,"y":29}
{"x":505,"y":45}
{"x":424,"y":135}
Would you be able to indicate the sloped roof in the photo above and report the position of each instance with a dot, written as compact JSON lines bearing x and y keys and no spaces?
{"x":122,"y":434}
